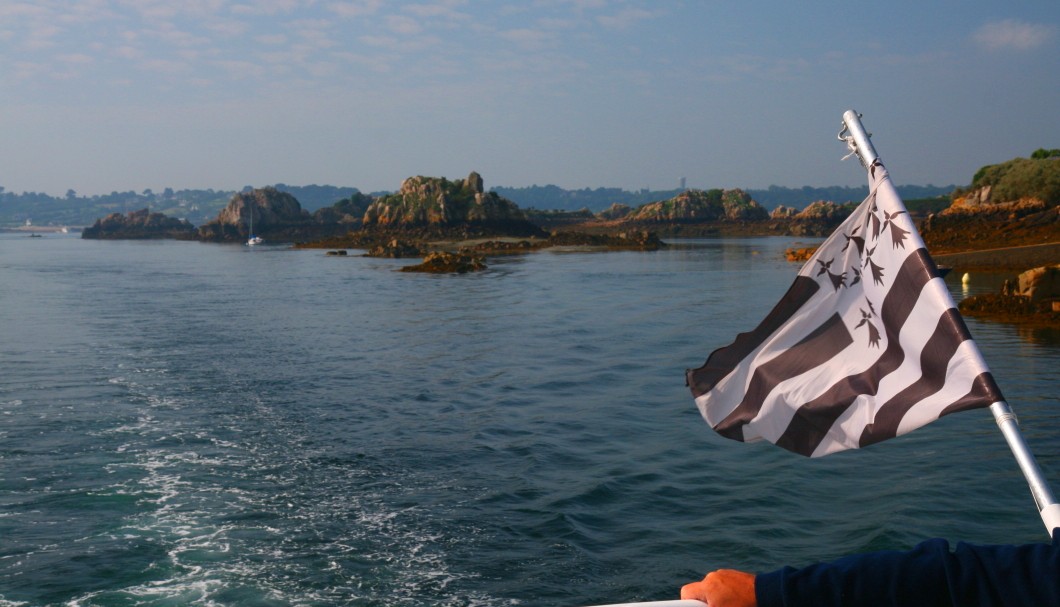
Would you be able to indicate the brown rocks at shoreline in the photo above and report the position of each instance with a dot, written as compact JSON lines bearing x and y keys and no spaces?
{"x":1033,"y":298}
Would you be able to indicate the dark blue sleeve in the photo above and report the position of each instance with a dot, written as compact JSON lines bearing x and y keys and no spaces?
{"x":929,"y":574}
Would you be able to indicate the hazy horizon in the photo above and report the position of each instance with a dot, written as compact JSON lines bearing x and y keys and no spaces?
{"x":160,"y":190}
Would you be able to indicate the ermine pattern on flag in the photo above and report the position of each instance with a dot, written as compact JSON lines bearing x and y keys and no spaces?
{"x":865,"y":345}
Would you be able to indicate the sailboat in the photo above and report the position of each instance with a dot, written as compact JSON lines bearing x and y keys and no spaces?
{"x":253,"y":240}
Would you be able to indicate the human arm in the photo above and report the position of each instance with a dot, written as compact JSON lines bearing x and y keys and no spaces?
{"x":929,"y":574}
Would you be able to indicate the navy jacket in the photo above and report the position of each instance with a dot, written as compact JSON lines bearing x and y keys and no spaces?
{"x":928,"y":575}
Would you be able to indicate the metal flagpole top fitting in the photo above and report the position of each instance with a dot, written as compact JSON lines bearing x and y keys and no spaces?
{"x":857,"y":139}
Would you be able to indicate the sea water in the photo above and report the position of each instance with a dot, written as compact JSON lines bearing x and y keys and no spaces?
{"x":201,"y":424}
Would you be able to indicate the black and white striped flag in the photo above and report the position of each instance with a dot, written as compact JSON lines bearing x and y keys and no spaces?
{"x":865,"y":345}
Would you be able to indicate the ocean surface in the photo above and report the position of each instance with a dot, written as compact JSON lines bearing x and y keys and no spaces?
{"x":201,"y":424}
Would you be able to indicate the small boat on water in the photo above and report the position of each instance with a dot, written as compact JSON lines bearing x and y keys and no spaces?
{"x":253,"y":240}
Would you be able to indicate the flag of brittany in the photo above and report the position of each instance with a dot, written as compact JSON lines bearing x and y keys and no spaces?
{"x":865,"y":345}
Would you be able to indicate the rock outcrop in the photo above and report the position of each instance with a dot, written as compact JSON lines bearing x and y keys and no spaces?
{"x":141,"y":224}
{"x":698,"y":213}
{"x":348,"y":211}
{"x":615,"y":211}
{"x":819,"y":218}
{"x":444,"y":206}
{"x":698,"y":206}
{"x":1039,"y":284}
{"x":550,"y":220}
{"x":783,"y":212}
{"x":1033,"y":299}
{"x":276,"y":216}
{"x":1009,"y":204}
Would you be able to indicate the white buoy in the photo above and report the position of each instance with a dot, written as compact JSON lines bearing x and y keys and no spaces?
{"x":967,"y":278}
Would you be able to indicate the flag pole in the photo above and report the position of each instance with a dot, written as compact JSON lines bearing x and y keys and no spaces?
{"x":858,"y":142}
{"x":1040,"y":491}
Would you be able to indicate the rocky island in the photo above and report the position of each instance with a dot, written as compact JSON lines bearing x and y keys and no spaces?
{"x":276,"y":216}
{"x":137,"y":225}
{"x":437,"y":206}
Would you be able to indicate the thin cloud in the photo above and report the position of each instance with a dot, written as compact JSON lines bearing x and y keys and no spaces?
{"x":227,"y":27}
{"x":1012,"y":34}
{"x":128,"y":51}
{"x":380,"y":41}
{"x":42,"y":37}
{"x":587,"y":4}
{"x":165,"y":66}
{"x":624,"y":18}
{"x":437,"y":9}
{"x":271,"y":39}
{"x":241,"y":69}
{"x":262,"y":7}
{"x":76,"y":59}
{"x":531,"y":39}
{"x":400,"y":24}
{"x":355,"y":9}
{"x":177,"y":37}
{"x":15,"y":10}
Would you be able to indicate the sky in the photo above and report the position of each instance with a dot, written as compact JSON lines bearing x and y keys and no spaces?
{"x":116,"y":95}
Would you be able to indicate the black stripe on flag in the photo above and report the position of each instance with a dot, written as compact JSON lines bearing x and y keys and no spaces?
{"x":812,"y":420}
{"x":949,"y":334}
{"x":814,"y":350}
{"x":984,"y":390}
{"x":722,"y":361}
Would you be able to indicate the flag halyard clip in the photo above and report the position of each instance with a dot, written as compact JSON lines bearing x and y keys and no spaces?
{"x":847,"y":138}
{"x":857,"y":139}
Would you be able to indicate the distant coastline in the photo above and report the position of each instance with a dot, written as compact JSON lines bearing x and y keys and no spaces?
{"x":42,"y":229}
{"x":199,"y":206}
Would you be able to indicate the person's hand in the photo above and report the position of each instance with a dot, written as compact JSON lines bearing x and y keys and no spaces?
{"x":723,"y":588}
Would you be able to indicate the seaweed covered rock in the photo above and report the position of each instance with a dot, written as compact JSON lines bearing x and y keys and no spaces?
{"x":443,"y":262}
{"x":141,"y":224}
{"x":642,"y":240}
{"x":395,"y":248}
{"x":799,"y":254}
{"x":501,"y":247}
